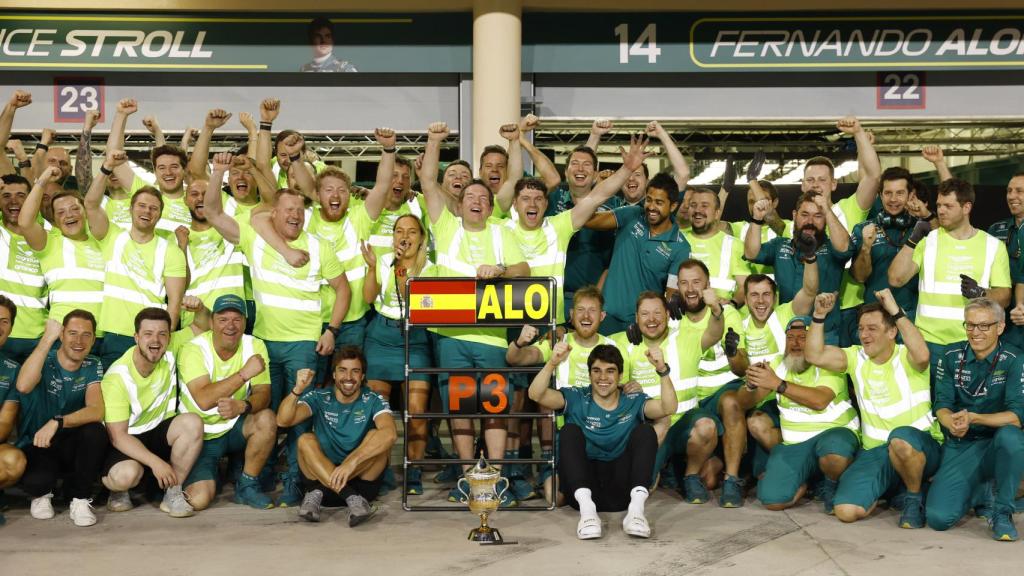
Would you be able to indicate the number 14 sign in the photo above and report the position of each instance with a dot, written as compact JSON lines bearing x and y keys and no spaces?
{"x":73,"y":97}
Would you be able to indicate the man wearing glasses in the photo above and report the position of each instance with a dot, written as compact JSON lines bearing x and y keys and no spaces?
{"x":980,"y":403}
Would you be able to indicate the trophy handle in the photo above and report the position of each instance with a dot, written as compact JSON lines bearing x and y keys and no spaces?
{"x":465,"y":494}
{"x":503,"y":490}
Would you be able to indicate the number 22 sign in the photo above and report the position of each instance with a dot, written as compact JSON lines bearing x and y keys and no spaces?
{"x":73,"y":97}
{"x":901,"y":91}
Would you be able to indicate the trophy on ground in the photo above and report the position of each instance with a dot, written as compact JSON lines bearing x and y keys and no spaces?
{"x":483,"y":497}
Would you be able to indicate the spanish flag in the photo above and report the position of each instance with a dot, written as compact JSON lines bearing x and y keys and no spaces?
{"x":442,"y":302}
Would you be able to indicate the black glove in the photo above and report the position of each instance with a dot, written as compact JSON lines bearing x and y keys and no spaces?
{"x":969,"y":287}
{"x":633,"y":334}
{"x":732,"y":343}
{"x":921,"y":229}
{"x":806,"y":247}
{"x":754,"y":168}
{"x":729,"y":175}
{"x":675,"y":306}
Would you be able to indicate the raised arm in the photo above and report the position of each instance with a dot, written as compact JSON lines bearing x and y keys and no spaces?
{"x":903,"y":267}
{"x":300,"y":171}
{"x":371,"y":285}
{"x":19,"y":99}
{"x":667,"y":402}
{"x":24,"y":165}
{"x":197,"y":162}
{"x":521,"y":352}
{"x":816,"y":352}
{"x":867,"y":160}
{"x":290,"y":412}
{"x":542,"y":165}
{"x":377,"y":198}
{"x":83,"y":158}
{"x":933,"y":154}
{"x":152,"y":125}
{"x":917,"y":349}
{"x":540,"y":390}
{"x":432,"y":193}
{"x":584,"y":211}
{"x":187,"y":137}
{"x":752,"y":241}
{"x":680,"y":168}
{"x":247,"y":122}
{"x":39,"y":154}
{"x":115,"y":140}
{"x":214,"y":208}
{"x":32,"y":369}
{"x":31,"y":229}
{"x":269,"y":109}
{"x":514,"y":170}
{"x":862,"y":266}
{"x":716,"y":325}
{"x":99,"y":223}
{"x":599,"y":128}
{"x":803,"y":301}
{"x":838,"y":235}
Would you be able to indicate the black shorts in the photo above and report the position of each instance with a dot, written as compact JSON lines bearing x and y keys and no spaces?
{"x":154,"y":440}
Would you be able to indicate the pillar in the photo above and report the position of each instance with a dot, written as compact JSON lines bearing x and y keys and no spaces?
{"x":497,"y":64}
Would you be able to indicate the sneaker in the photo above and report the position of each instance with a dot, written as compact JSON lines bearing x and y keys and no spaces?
{"x":694,"y":490}
{"x":414,"y":480}
{"x":42,"y":508}
{"x":359,"y":510}
{"x":175,"y":504}
{"x":310,"y":508}
{"x":827,"y":491}
{"x":589,"y":527}
{"x":508,"y":499}
{"x":913,"y":512}
{"x":1003,"y":528}
{"x":247,"y":491}
{"x":454,"y":495}
{"x":635,"y":524}
{"x":521,"y":489}
{"x":291,"y":495}
{"x":268,"y":480}
{"x":449,"y":474}
{"x":388,"y":482}
{"x":667,"y":479}
{"x":81,"y":512}
{"x":732,"y":493}
{"x":119,"y":502}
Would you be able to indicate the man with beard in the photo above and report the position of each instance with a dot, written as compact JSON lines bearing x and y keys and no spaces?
{"x":788,"y":255}
{"x":59,"y":428}
{"x":71,"y":261}
{"x":12,"y":460}
{"x":877,"y":241}
{"x":225,"y":382}
{"x":21,"y":276}
{"x":648,"y":247}
{"x":980,"y":405}
{"x":139,"y":397}
{"x":344,"y":457}
{"x":719,"y":251}
{"x":143,"y":269}
{"x":955,"y":263}
{"x":288,"y":301}
{"x":469,"y":245}
{"x":817,"y":420}
{"x":891,"y":382}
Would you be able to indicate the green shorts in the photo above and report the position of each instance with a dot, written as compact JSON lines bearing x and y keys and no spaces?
{"x":771,"y":409}
{"x":286,"y":359}
{"x":872,"y":475}
{"x":454,"y":353}
{"x":792,"y":465}
{"x":213,"y":450}
{"x":679,"y":434}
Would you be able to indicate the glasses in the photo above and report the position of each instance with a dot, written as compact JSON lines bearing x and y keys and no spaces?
{"x":983,"y":327}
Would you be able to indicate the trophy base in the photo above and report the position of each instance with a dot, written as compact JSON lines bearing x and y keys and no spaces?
{"x":483,"y":534}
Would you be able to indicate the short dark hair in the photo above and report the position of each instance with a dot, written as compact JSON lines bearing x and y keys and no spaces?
{"x":9,"y":179}
{"x":694,"y":263}
{"x":588,"y":291}
{"x":585,"y":150}
{"x":318,"y":23}
{"x":898,"y":173}
{"x":348,"y":353}
{"x":821,"y":161}
{"x":169,"y":150}
{"x":718,"y":201}
{"x":605,"y":353}
{"x":6,"y":302}
{"x":757,"y":278}
{"x":663,"y":181}
{"x":152,"y":313}
{"x":65,"y":194}
{"x":474,"y":181}
{"x":651,"y":295}
{"x":493,"y":149}
{"x":887,"y":318}
{"x":82,"y":315}
{"x":532,"y":184}
{"x":803,"y":199}
{"x":152,"y":192}
{"x":962,"y":188}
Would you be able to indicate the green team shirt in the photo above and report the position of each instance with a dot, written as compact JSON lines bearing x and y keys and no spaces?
{"x":345,"y":235}
{"x":713,"y":370}
{"x":460,"y":252}
{"x":198,"y":358}
{"x":723,"y":255}
{"x":890,"y":395}
{"x":849,"y":213}
{"x":59,"y":392}
{"x":573,"y":371}
{"x":888,"y":242}
{"x":143,"y":402}
{"x":340,"y":428}
{"x":739,"y":230}
{"x":545,"y":250}
{"x":982,"y":386}
{"x":941,"y":260}
{"x":21,"y":280}
{"x":174,"y":214}
{"x":769,"y":340}
{"x":590,"y":251}
{"x":8,"y":378}
{"x":288,"y":305}
{"x":681,"y":350}
{"x":134,"y":278}
{"x":606,"y":431}
{"x":800,"y":423}
{"x":74,"y":271}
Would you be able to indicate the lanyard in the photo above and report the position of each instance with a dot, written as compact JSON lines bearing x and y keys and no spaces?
{"x":980,"y":387}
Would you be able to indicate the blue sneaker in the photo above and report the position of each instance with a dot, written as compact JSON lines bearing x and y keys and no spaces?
{"x":450,"y":474}
{"x":388,"y":483}
{"x":454,"y":495}
{"x":508,"y":499}
{"x":522,"y":489}
{"x":668,"y":479}
{"x":414,"y":481}
{"x":1003,"y":528}
{"x":732,"y":493}
{"x":247,"y":491}
{"x":913,"y":512}
{"x":694,"y":491}
{"x":292,"y":493}
{"x":827,"y":491}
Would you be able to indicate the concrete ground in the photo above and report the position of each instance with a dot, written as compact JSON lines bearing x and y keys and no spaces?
{"x":688,"y":539}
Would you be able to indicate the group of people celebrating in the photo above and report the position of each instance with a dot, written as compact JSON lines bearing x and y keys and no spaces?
{"x":858,"y":353}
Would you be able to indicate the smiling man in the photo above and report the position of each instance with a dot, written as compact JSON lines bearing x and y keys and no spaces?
{"x":21,"y":278}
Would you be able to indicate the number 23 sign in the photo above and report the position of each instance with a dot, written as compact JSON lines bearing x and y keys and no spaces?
{"x":73,"y":97}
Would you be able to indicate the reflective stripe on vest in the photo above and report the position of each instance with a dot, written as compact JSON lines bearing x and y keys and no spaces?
{"x":686,"y":388}
{"x":70,"y":270}
{"x":384,"y":279}
{"x":310,"y":284}
{"x":133,"y":395}
{"x":928,"y":285}
{"x":208,"y":352}
{"x":13,"y":276}
{"x":908,"y":398}
{"x":116,"y":266}
{"x":722,"y":280}
{"x":451,"y":258}
{"x":832,"y":414}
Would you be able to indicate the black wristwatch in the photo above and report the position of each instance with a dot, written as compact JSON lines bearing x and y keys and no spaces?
{"x":665,"y":373}
{"x":59,"y":419}
{"x":248,"y":407}
{"x":783,"y":386}
{"x":896,"y":317}
{"x":333,"y":330}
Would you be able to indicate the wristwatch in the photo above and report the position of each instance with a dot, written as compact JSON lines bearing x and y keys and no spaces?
{"x":59,"y":419}
{"x":665,"y":373}
{"x":783,"y":386}
{"x":248,"y":407}
{"x":335,"y":331}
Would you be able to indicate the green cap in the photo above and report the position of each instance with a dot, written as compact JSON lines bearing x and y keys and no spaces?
{"x":229,"y":302}
{"x":802,"y":319}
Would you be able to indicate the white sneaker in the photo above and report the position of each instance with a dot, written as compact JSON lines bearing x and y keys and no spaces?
{"x":119,"y":502}
{"x":42,"y":508}
{"x":589,"y":527}
{"x":81,"y":512}
{"x":636,"y":525}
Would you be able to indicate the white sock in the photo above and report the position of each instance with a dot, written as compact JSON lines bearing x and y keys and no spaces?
{"x":587,"y":506}
{"x":637,"y":497}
